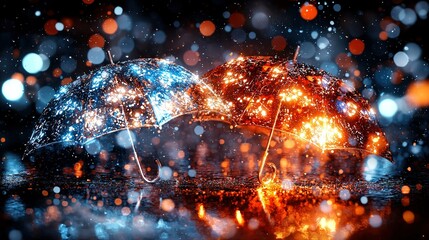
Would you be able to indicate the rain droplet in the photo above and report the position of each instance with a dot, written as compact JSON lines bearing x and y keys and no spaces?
{"x":198,"y":130}
{"x":56,"y":189}
{"x":375,"y":221}
{"x":166,"y":173}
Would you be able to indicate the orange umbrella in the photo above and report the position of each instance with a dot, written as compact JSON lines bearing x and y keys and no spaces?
{"x":298,"y":99}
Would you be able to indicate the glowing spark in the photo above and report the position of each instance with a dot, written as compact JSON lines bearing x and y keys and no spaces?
{"x":78,"y":169}
{"x":239,"y":217}
{"x":352,"y":109}
{"x":375,"y":143}
{"x":297,"y":96}
{"x":327,"y":224}
{"x":201,"y":211}
{"x":321,"y":131}
{"x":93,"y":121}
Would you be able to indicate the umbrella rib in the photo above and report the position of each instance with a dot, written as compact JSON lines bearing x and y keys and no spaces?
{"x":110,"y":57}
{"x":295,"y":56}
{"x":227,"y":113}
{"x":247,"y":107}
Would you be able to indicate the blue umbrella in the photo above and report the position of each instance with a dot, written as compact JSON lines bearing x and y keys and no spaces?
{"x":123,"y":96}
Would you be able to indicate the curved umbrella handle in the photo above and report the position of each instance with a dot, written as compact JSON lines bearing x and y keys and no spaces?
{"x":136,"y":157}
{"x":267,"y":178}
{"x":267,"y":148}
{"x":142,"y":173}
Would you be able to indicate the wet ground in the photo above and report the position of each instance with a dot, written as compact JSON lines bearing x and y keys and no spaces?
{"x":209,"y":189}
{"x":224,"y":208}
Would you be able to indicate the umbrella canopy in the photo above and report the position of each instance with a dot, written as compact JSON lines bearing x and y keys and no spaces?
{"x":123,"y":96}
{"x":298,"y":99}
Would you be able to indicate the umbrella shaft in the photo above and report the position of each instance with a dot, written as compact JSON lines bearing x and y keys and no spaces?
{"x":264,"y":158}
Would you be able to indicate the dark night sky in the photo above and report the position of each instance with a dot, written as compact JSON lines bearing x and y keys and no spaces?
{"x":58,"y":38}
{"x":176,"y":22}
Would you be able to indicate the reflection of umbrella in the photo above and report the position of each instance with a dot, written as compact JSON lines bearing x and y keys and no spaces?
{"x":298,"y":99}
{"x":123,"y":96}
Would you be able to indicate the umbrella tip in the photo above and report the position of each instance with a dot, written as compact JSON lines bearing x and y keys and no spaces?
{"x":110,"y":57}
{"x":295,"y":56}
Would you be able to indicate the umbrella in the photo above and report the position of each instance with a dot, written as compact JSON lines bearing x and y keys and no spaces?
{"x":288,"y":97}
{"x":133,"y":94}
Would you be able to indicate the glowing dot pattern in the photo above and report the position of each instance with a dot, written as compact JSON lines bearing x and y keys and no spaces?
{"x":315,"y":106}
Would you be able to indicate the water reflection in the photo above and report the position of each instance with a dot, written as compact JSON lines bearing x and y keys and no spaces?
{"x":100,"y":209}
{"x":209,"y":189}
{"x":14,"y":207}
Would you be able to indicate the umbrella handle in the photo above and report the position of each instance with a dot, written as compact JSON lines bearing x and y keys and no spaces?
{"x":156,"y":178}
{"x":267,"y":178}
{"x":142,"y":173}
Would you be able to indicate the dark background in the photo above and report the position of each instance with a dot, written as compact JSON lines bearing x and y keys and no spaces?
{"x":169,"y":29}
{"x":176,"y":24}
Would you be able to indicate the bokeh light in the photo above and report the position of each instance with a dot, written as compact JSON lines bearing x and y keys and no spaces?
{"x":159,"y":37}
{"x":260,"y":20}
{"x":118,"y":10}
{"x":308,"y":11}
{"x":375,"y":221}
{"x":356,"y":46}
{"x":50,"y":28}
{"x":110,"y":26}
{"x":279,"y":43}
{"x":422,"y":9}
{"x":378,"y":48}
{"x":32,"y":63}
{"x":408,"y":216}
{"x":12,"y":89}
{"x":417,"y":94}
{"x":237,"y":20}
{"x":96,"y":40}
{"x":207,"y":28}
{"x":96,"y":55}
{"x":387,"y":107}
{"x":401,"y":59}
{"x":191,"y":58}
